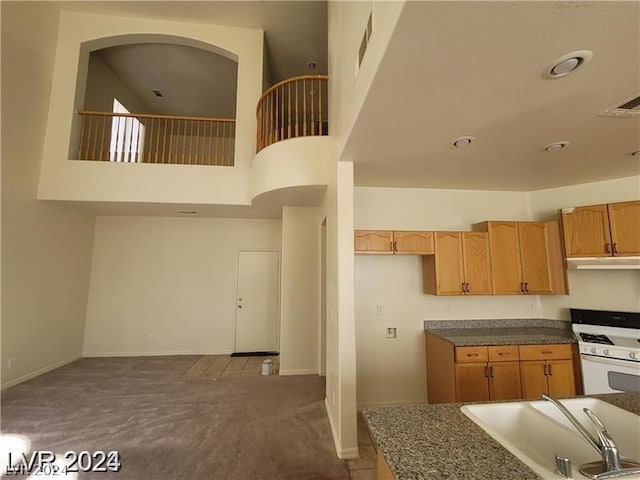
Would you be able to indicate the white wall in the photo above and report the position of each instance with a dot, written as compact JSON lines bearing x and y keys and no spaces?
{"x":46,"y":248}
{"x":300,"y":301}
{"x":347,"y":22}
{"x":102,"y":181}
{"x":173,"y":278}
{"x":103,"y":85}
{"x":617,"y":290}
{"x":392,"y":371}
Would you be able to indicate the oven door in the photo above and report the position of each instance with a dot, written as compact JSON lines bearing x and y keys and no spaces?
{"x":607,"y":375}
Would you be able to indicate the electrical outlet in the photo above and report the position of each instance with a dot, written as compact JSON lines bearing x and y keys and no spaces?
{"x":447,"y":308}
{"x":11,"y":363}
{"x":150,"y":338}
{"x":380,"y":310}
{"x":392,"y":332}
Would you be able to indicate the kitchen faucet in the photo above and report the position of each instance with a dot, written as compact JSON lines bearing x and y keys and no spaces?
{"x":611,"y":465}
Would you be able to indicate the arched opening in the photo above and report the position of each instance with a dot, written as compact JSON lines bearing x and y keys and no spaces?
{"x":155,"y":99}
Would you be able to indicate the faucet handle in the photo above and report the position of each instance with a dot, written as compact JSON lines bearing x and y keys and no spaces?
{"x":563,"y":466}
{"x":608,"y":447}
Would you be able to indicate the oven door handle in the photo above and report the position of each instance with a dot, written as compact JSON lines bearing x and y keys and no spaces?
{"x":616,"y":362}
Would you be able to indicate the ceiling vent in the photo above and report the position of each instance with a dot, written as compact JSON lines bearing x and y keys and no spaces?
{"x":628,"y":109}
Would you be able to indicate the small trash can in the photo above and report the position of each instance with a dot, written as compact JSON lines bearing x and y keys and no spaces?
{"x":267,"y":367}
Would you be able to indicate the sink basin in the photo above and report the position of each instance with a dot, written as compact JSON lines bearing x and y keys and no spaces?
{"x":535,"y":431}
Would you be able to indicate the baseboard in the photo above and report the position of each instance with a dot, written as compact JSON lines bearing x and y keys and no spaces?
{"x":40,"y":371}
{"x":309,"y":371}
{"x":343,"y":453}
{"x":154,"y":354}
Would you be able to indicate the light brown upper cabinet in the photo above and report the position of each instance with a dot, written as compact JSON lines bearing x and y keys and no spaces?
{"x":374,"y":241}
{"x":602,"y":230}
{"x":390,"y":242}
{"x":520,"y":257}
{"x":460,"y":265}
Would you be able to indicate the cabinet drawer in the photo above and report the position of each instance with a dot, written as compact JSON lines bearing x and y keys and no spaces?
{"x":546,"y":352}
{"x":471,"y":354}
{"x":506,"y":353}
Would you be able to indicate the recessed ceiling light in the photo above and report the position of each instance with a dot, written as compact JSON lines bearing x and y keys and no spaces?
{"x":312,"y":65}
{"x":636,"y":153}
{"x":463,"y":142}
{"x":557,"y":146}
{"x":567,"y":64}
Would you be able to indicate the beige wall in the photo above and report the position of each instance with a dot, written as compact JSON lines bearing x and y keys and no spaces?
{"x":347,"y":22}
{"x":101,"y":181}
{"x":46,"y":248}
{"x":172,"y":278}
{"x":103,"y":85}
{"x":393,"y":370}
{"x":300,"y":301}
{"x":617,"y":290}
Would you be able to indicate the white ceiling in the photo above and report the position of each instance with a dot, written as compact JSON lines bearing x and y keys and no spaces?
{"x":193,"y":82}
{"x":295,"y":31}
{"x":474,"y":68}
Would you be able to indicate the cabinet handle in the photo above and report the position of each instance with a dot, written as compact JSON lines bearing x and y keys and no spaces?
{"x":462,"y":287}
{"x":486,"y":371}
{"x":468,"y":289}
{"x":526,"y":287}
{"x":491,"y":371}
{"x":546,"y":352}
{"x":615,"y":248}
{"x":522,"y":287}
{"x":502,"y":354}
{"x":544,"y":369}
{"x":607,"y":247}
{"x":549,"y":370}
{"x":472,"y":354}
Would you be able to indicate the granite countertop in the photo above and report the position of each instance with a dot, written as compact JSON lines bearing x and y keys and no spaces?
{"x":530,"y":331}
{"x":436,"y":442}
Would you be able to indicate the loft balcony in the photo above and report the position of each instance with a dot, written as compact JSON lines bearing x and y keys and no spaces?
{"x":160,"y":139}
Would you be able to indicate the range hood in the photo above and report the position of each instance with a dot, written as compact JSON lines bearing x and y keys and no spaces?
{"x":604,"y":263}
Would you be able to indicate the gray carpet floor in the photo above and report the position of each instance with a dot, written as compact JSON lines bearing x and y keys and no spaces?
{"x":169,"y":427}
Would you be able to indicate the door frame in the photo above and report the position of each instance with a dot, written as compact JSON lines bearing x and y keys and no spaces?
{"x":235,"y":302}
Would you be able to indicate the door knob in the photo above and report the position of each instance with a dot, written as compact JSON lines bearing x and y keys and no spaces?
{"x":239,"y":306}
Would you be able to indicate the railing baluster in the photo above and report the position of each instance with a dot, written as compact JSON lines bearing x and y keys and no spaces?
{"x":297,"y":110}
{"x":312,"y":93}
{"x":289,"y":116}
{"x":82,"y":121}
{"x":89,"y":138}
{"x":304,"y":107}
{"x":320,"y":104}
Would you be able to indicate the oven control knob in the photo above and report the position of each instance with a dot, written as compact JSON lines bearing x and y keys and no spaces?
{"x":593,"y":350}
{"x":606,"y":352}
{"x":633,"y":355}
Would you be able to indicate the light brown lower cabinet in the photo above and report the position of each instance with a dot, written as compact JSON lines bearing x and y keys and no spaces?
{"x":510,"y":372}
{"x":547,"y":369}
{"x":383,"y":470}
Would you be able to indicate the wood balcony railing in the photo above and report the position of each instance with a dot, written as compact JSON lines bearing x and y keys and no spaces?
{"x":147,"y":138}
{"x":293,"y":108}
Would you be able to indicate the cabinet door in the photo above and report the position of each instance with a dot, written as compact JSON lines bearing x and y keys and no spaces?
{"x":560,"y":378}
{"x":534,"y":257}
{"x":476,"y":263}
{"x":448,"y":263}
{"x":505,"y":257}
{"x":504,"y":381}
{"x":472,"y":383}
{"x":534,"y":379}
{"x":624,"y":219}
{"x":416,"y":243}
{"x":374,"y":241}
{"x":586,"y":232}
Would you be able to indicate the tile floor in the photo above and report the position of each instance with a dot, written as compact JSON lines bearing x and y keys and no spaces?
{"x":363,"y":468}
{"x":216,"y":367}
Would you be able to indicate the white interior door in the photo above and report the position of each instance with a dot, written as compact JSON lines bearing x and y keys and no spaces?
{"x":257,"y":302}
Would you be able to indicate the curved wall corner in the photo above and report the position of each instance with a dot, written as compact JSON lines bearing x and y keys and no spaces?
{"x":292,"y":172}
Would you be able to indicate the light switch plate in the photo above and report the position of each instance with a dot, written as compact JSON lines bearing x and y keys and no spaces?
{"x":392,"y":332}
